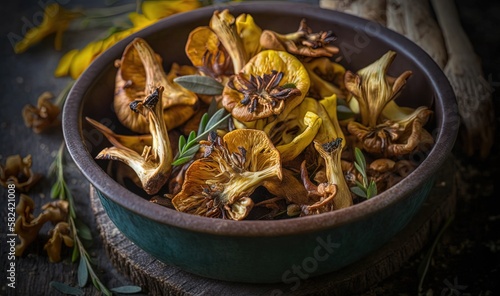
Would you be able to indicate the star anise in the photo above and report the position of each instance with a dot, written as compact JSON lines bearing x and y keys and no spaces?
{"x":263,"y":90}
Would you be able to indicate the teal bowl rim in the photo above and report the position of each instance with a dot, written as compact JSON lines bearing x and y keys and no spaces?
{"x":444,"y":104}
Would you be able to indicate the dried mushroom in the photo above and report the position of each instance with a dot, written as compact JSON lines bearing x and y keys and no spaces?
{"x":43,"y":116}
{"x":292,"y":134}
{"x":140,"y":72}
{"x":134,"y":142}
{"x":271,"y":83}
{"x":220,"y":184}
{"x":249,"y":32}
{"x":17,"y":171}
{"x":60,"y":234}
{"x":27,"y":225}
{"x":303,"y":136}
{"x":153,"y":166}
{"x":394,"y":138}
{"x":372,"y":89}
{"x":327,"y":78}
{"x":335,"y":193}
{"x":206,"y":52}
{"x":304,"y":42}
{"x":223,"y":24}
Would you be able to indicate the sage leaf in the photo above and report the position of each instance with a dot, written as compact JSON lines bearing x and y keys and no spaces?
{"x":203,"y":85}
{"x":192,"y":150}
{"x":362,"y":172}
{"x":126,"y":289}
{"x":360,"y":158}
{"x":65,"y":288}
{"x":83,"y":272}
{"x":189,"y":147}
{"x":203,"y":123}
{"x":182,"y":142}
{"x":358,"y":191}
{"x":55,"y":190}
{"x":83,"y":230}
{"x":182,"y":160}
{"x":76,"y":254}
{"x":371,"y":191}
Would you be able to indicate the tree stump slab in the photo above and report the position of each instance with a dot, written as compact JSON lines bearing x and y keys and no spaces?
{"x":157,"y":278}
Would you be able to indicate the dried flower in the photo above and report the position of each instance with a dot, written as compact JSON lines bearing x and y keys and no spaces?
{"x":18,"y":171}
{"x":43,"y":116}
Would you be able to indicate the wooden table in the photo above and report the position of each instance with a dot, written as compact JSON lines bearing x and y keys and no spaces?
{"x":24,"y":78}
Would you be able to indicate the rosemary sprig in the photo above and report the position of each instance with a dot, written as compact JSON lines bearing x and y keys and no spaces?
{"x":366,"y":188}
{"x":81,"y":235}
{"x":188,"y":147}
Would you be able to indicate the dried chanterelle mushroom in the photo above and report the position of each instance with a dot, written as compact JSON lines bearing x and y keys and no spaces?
{"x":43,"y":116}
{"x":272,"y":82}
{"x":17,"y":171}
{"x":302,"y":43}
{"x":140,"y":72}
{"x":220,"y":184}
{"x":27,"y":225}
{"x":153,"y":166}
{"x":293,"y":109}
{"x":60,"y":234}
{"x":396,"y":131}
{"x":333,"y":194}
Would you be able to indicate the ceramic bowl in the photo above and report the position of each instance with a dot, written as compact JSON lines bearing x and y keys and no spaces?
{"x":263,"y":251}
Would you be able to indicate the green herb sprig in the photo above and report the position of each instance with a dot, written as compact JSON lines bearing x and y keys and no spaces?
{"x":82,"y":236}
{"x":188,"y":147}
{"x":366,"y":188}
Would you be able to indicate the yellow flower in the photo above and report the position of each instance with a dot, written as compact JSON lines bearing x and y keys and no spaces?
{"x":74,"y":62}
{"x":155,"y":10}
{"x":55,"y":20}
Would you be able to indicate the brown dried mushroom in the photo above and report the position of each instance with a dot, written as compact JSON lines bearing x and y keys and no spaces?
{"x":153,"y":166}
{"x":271,"y":83}
{"x":43,"y":116}
{"x":18,"y":171}
{"x":60,"y":234}
{"x":220,"y":184}
{"x":27,"y":226}
{"x":335,"y":193}
{"x":141,"y":72}
{"x":302,"y":43}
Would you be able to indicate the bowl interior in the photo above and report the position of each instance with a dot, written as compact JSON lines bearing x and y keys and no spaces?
{"x":361,"y":42}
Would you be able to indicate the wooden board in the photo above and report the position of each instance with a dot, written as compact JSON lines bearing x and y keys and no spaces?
{"x":158,"y":278}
